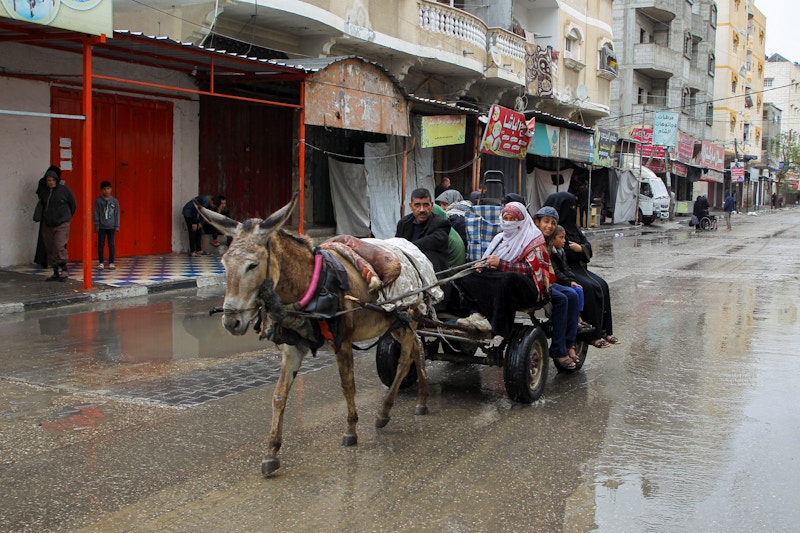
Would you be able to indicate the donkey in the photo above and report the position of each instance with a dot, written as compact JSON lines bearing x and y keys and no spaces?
{"x":269,"y":267}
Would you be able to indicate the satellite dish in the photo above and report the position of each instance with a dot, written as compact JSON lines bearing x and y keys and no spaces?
{"x":582,"y":92}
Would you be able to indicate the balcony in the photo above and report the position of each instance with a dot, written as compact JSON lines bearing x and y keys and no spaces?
{"x":655,"y":60}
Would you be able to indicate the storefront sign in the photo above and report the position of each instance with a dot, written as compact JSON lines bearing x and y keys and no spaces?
{"x":580,"y":146}
{"x":545,"y":141}
{"x":737,"y":172}
{"x":685,"y":149}
{"x":711,"y":156}
{"x":507,"y":134}
{"x":443,"y":130}
{"x":646,"y":148}
{"x":665,"y":128}
{"x":85,"y":16}
{"x":605,"y":147}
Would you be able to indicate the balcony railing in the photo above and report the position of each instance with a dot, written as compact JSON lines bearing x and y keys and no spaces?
{"x":452,"y":22}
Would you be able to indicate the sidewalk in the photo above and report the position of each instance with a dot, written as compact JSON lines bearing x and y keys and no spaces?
{"x":23,"y":288}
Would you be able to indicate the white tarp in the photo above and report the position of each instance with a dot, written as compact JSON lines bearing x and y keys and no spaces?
{"x":541,"y":183}
{"x":416,"y":272}
{"x":350,"y":198}
{"x":366,"y":198}
{"x":627,"y":191}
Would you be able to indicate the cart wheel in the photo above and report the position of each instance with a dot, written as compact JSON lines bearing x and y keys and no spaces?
{"x":526,"y":364}
{"x":581,"y":348}
{"x":387,"y":355}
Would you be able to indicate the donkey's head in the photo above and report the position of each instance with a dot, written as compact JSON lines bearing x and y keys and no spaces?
{"x":247,"y":263}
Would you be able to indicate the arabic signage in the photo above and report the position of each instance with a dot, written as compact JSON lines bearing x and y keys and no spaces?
{"x":646,"y":148}
{"x":711,"y":156}
{"x":507,"y":134}
{"x":85,"y":16}
{"x":685,"y":148}
{"x":545,"y":141}
{"x":665,"y":128}
{"x":605,"y":147}
{"x":443,"y":130}
{"x":580,"y":146}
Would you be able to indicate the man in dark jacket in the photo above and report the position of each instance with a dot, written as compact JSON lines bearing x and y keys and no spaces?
{"x":428,"y":232}
{"x":58,"y":208}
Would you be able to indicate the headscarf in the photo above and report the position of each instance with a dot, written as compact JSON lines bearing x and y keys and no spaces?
{"x":564,"y":203}
{"x":459,"y":208}
{"x":518,"y":237}
{"x":450,"y":196}
{"x":474,"y":196}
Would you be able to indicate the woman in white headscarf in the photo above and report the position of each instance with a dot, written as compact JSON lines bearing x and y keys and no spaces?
{"x":517,"y":275}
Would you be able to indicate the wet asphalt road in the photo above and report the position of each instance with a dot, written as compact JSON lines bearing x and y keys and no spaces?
{"x":144,"y":415}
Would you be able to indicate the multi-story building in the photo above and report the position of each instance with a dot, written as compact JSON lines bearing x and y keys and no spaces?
{"x":666,"y":60}
{"x":338,"y":79}
{"x":738,"y":92}
{"x":782,"y":91}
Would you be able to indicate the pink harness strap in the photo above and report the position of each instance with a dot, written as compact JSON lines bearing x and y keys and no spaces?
{"x":314,"y":280}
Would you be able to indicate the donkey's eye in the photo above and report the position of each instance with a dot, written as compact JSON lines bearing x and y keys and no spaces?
{"x":251,"y":266}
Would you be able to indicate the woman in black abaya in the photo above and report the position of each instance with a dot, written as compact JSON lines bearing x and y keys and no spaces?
{"x":597,"y":305}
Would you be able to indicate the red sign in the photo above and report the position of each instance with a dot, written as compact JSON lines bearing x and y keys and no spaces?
{"x":711,"y":156}
{"x":507,"y":134}
{"x":737,"y":171}
{"x":646,"y":149}
{"x":685,"y":150}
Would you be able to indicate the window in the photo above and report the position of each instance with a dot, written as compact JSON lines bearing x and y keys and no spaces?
{"x":642,"y":36}
{"x":608,"y":58}
{"x":689,"y":101}
{"x":713,"y":16}
{"x":734,"y":82}
{"x":712,"y":63}
{"x":640,"y":99}
{"x":710,"y":113}
{"x":572,"y":44}
{"x":687,"y":45}
{"x":733,"y":123}
{"x":768,"y":82}
{"x":735,"y":41}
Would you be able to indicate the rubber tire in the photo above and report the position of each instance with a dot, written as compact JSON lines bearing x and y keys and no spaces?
{"x":581,"y":348}
{"x":387,"y":355}
{"x":647,"y":220}
{"x":705,"y":224}
{"x":526,"y":365}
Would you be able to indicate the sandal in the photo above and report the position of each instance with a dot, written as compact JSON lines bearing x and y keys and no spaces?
{"x":573,"y":355}
{"x":565,"y":362}
{"x":611,"y":339}
{"x":601,"y":343}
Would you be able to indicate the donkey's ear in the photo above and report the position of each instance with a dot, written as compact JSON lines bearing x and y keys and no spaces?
{"x":279,"y":217}
{"x":225,"y":225}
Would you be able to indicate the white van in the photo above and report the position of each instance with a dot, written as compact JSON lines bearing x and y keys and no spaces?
{"x":653,"y":198}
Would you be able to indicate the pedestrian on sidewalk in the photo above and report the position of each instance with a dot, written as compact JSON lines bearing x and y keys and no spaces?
{"x":40,"y":257}
{"x":58,"y":207}
{"x":194,"y":222}
{"x":106,"y":224}
{"x":728,"y":206}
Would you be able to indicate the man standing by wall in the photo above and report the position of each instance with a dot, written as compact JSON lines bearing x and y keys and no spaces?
{"x":58,"y":208}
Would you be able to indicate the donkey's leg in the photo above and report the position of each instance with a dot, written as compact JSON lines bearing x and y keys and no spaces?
{"x":422,"y":377}
{"x":405,"y":337}
{"x":291,"y":358}
{"x":344,"y":361}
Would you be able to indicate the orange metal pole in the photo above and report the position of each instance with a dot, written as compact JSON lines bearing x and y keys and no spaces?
{"x":301,"y":155}
{"x":86,"y":197}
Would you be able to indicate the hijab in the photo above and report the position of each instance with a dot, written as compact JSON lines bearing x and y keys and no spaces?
{"x":564,"y":203}
{"x":450,"y":196}
{"x":518,"y":237}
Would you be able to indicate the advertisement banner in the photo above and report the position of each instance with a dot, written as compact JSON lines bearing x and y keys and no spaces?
{"x":685,"y":150}
{"x":545,"y":141}
{"x":605,"y":147}
{"x":580,"y":146}
{"x":665,"y":128}
{"x":85,"y":16}
{"x":646,"y":148}
{"x":443,"y":130}
{"x":507,"y":134}
{"x":711,"y":156}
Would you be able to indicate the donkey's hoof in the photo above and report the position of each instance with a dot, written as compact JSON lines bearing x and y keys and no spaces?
{"x":270,"y":465}
{"x":381,"y":421}
{"x":349,"y":440}
{"x":421,"y":410}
